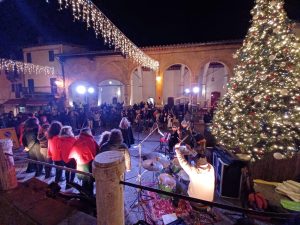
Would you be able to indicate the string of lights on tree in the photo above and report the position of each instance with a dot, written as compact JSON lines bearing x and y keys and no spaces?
{"x":260,"y":112}
{"x":89,"y":13}
{"x":25,"y":68}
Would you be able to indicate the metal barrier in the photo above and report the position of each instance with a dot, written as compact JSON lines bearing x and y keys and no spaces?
{"x":52,"y":165}
{"x":104,"y":171}
{"x":212,"y":204}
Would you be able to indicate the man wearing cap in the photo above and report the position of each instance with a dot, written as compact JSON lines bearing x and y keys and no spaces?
{"x":202,"y":176}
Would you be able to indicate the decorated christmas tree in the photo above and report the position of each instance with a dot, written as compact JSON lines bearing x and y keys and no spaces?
{"x":260,"y":113}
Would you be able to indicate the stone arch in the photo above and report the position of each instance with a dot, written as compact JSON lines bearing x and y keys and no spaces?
{"x":176,"y":79}
{"x":79,"y":98}
{"x":166,"y":64}
{"x":111,"y":70}
{"x":142,"y":85}
{"x":110,"y":89}
{"x":213,"y":79}
{"x":227,"y":64}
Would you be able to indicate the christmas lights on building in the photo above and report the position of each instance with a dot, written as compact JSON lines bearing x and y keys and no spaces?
{"x":21,"y":67}
{"x":87,"y":11}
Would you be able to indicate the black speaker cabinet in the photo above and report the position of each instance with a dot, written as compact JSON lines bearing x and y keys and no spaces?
{"x":228,"y":174}
{"x":30,"y":86}
{"x":170,"y":102}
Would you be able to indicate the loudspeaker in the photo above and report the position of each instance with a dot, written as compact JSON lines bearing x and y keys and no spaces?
{"x":31,"y":86}
{"x":18,"y":90}
{"x":228,"y":174}
{"x":170,"y":102}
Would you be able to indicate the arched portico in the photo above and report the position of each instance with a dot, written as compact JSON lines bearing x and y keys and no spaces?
{"x":176,"y":79}
{"x":213,"y":81}
{"x":142,"y":85}
{"x":139,"y":83}
{"x":82,"y":93}
{"x":110,"y":91}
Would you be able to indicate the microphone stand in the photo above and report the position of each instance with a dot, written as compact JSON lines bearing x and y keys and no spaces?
{"x":138,"y":201}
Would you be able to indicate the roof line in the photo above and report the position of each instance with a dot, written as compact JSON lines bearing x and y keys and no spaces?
{"x":196,"y":44}
{"x":149,"y":48}
{"x":89,"y":54}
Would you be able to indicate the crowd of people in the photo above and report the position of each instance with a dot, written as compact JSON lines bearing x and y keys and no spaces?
{"x":107,"y":116}
{"x":56,"y":144}
{"x":67,"y":138}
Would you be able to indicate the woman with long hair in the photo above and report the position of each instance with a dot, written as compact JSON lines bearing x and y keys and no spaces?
{"x":124,"y":126}
{"x":103,"y":139}
{"x":53,"y":152}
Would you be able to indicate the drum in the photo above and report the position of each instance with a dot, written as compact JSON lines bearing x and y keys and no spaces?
{"x":184,"y":177}
{"x":164,"y":160}
{"x":175,"y":166}
{"x":166,"y":183}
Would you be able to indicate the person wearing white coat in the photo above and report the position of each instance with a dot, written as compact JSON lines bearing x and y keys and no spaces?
{"x":202,"y":177}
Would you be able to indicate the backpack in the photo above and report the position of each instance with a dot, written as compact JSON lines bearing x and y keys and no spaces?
{"x":257,"y":201}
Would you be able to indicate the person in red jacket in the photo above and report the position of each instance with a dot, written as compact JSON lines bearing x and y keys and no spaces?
{"x":65,"y":144}
{"x":53,"y":152}
{"x":84,"y":151}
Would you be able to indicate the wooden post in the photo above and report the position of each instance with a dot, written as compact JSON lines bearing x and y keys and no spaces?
{"x":8,"y":179}
{"x":108,"y":170}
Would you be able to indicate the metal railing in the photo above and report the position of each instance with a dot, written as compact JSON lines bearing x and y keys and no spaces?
{"x":243,"y":211}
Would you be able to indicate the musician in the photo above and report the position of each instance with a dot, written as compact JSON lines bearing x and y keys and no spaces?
{"x":185,"y":133}
{"x":200,"y":143}
{"x":173,"y":138}
{"x":202,"y":176}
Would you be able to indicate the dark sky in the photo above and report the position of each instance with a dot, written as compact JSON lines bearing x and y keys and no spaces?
{"x":145,"y":22}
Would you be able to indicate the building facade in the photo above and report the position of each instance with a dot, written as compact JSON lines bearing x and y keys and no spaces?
{"x":196,"y":73}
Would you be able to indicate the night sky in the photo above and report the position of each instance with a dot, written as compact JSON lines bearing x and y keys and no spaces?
{"x":145,"y":22}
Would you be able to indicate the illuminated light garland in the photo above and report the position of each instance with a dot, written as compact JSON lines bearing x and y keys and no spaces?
{"x":28,"y":68}
{"x":88,"y":12}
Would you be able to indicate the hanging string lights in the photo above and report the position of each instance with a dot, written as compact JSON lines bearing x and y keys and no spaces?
{"x":21,"y":67}
{"x":88,"y":12}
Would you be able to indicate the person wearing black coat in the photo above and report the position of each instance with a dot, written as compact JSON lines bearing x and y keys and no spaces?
{"x":115,"y":143}
{"x":32,"y":145}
